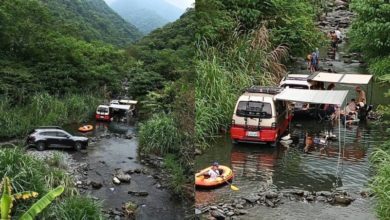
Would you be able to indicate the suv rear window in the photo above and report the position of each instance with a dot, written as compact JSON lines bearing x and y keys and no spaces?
{"x":254,"y":109}
{"x":102,"y":109}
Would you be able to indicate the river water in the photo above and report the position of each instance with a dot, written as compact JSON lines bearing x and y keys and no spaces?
{"x":109,"y":154}
{"x":341,"y":165}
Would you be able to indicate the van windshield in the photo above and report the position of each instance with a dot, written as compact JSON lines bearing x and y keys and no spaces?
{"x":254,"y":109}
{"x":102,"y":109}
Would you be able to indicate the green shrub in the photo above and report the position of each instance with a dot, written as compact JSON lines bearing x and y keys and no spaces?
{"x":381,"y":181}
{"x":75,"y":208}
{"x":44,"y":109}
{"x":177,"y":178}
{"x":159,"y":135}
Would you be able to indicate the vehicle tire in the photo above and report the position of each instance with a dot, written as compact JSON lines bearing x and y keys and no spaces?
{"x":78,"y":146}
{"x":234,"y":142}
{"x":273,"y":144}
{"x":41,"y":146}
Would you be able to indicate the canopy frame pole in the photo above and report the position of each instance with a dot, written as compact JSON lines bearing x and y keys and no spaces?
{"x":372,"y":90}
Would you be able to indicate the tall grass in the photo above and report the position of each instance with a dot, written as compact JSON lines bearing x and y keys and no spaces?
{"x":76,"y":207}
{"x":43,"y":109}
{"x":225,"y":70}
{"x":381,"y":181}
{"x":30,"y":174}
{"x":159,"y":135}
{"x":177,"y":178}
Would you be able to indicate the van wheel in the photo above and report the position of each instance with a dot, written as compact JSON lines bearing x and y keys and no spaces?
{"x":41,"y":146}
{"x":234,"y":142}
{"x":78,"y":146}
{"x":273,"y":144}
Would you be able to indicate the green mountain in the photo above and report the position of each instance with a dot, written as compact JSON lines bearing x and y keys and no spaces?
{"x":92,"y":20}
{"x":146,"y":15}
{"x":61,"y":47}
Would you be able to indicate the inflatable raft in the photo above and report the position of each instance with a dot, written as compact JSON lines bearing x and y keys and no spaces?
{"x":86,"y":128}
{"x":204,"y":181}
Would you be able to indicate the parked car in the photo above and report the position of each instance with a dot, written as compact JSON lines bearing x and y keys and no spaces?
{"x":55,"y":137}
{"x":258,"y":117}
{"x":299,"y":81}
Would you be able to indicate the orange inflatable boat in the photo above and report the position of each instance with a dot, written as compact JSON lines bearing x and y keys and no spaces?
{"x":203,"y":181}
{"x":86,"y":128}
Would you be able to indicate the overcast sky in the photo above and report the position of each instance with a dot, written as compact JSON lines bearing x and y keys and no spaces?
{"x":183,"y":4}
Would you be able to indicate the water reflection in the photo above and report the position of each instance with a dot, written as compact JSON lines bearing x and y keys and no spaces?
{"x":340,"y":162}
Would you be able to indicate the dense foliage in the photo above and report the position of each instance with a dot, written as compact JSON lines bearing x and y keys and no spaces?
{"x":370,"y":34}
{"x":242,"y":43}
{"x":40,"y":52}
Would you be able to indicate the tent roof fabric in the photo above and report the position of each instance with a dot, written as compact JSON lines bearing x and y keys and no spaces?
{"x":335,"y":97}
{"x":122,"y":107}
{"x":358,"y":79}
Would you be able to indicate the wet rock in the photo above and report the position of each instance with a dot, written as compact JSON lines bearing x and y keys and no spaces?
{"x":239,"y":206}
{"x":137,"y":171}
{"x":310,"y":198}
{"x":158,"y":186}
{"x":96,"y":185}
{"x":252,"y":198}
{"x":128,"y":136}
{"x":323,"y":193}
{"x":218,"y":215}
{"x":271,"y":195}
{"x":117,"y":217}
{"x":230,"y":213}
{"x":269,"y":203}
{"x":198,"y":212}
{"x":130,"y":208}
{"x":343,"y":200}
{"x":321,"y":198}
{"x":242,"y":212}
{"x":141,"y":193}
{"x":130,"y":158}
{"x":123,"y":177}
{"x":112,"y":189}
{"x":116,"y":180}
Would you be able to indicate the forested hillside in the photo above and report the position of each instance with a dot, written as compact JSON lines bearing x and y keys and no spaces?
{"x":147,"y":15}
{"x":92,"y":20}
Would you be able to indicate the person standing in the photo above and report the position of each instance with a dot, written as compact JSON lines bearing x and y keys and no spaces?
{"x":361,"y":95}
{"x":338,"y":35}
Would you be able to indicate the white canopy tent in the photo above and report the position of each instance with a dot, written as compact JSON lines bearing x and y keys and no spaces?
{"x":335,"y":97}
{"x":344,"y":78}
{"x":121,"y":107}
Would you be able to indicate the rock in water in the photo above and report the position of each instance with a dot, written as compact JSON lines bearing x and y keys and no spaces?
{"x":130,"y":208}
{"x":96,"y":185}
{"x":218,"y":215}
{"x":116,"y":180}
{"x":142,"y":193}
{"x":343,"y":200}
{"x":124,"y":177}
{"x":252,"y":198}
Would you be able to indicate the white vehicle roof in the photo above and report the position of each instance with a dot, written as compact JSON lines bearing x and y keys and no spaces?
{"x":257,"y":97}
{"x":103,"y":106}
{"x":295,"y":79}
{"x":121,"y":107}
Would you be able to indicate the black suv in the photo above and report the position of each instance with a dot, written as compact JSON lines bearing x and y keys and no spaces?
{"x":45,"y":137}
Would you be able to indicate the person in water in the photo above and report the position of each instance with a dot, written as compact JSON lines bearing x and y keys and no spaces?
{"x":361,"y":95}
{"x":213,"y":172}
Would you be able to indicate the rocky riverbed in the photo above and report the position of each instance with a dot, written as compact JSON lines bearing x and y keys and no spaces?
{"x":130,"y":186}
{"x":238,"y":207}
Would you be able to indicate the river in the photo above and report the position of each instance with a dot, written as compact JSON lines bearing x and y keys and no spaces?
{"x":112,"y":152}
{"x":342,"y":165}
